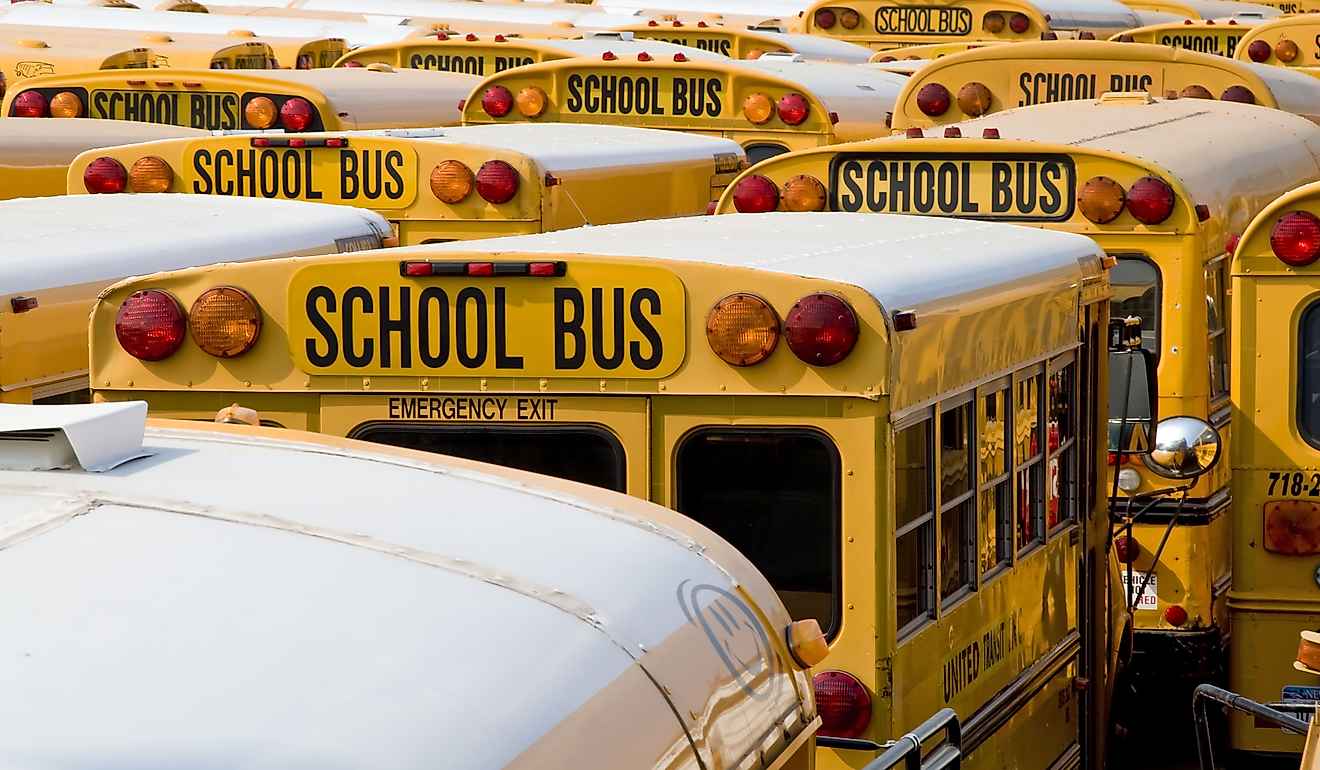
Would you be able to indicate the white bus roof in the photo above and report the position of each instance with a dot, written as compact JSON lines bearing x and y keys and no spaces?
{"x":769,"y":9}
{"x":595,"y":46}
{"x":819,"y":47}
{"x":272,"y":599}
{"x":1095,"y":15}
{"x":79,"y":239}
{"x":29,"y":143}
{"x":856,"y":93}
{"x":587,"y":17}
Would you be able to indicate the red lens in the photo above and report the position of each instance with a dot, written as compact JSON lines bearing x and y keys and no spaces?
{"x":821,"y":329}
{"x":1019,"y":22}
{"x":105,"y":175}
{"x":825,"y":18}
{"x":296,"y":114}
{"x":755,"y":194}
{"x":1150,"y":200}
{"x":1259,"y":51}
{"x":933,"y":99}
{"x":354,"y":64}
{"x":30,"y":104}
{"x":1175,"y":615}
{"x":1295,"y":238}
{"x":793,"y":109}
{"x":497,"y":101}
{"x":843,"y":704}
{"x":1240,"y":94}
{"x":1126,"y":549}
{"x":497,"y":182}
{"x":150,"y":325}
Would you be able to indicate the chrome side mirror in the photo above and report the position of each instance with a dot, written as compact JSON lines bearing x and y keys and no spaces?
{"x":1184,"y":448}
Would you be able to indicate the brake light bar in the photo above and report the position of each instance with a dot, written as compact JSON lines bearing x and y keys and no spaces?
{"x":284,"y":141}
{"x":420,"y":269}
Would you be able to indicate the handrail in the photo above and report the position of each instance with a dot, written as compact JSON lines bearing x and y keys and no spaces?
{"x":1205,"y":693}
{"x":907,"y":749}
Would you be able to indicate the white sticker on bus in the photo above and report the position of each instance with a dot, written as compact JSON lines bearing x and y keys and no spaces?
{"x":1147,"y":599}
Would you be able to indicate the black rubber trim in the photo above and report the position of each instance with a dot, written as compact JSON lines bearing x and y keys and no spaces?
{"x":854,"y":744}
{"x":1195,"y":512}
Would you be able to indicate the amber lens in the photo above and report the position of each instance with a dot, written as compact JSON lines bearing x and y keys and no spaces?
{"x":451,"y":181}
{"x":225,"y":322}
{"x":1286,"y":50}
{"x":1101,"y":199}
{"x":993,"y":22}
{"x":803,"y":193}
{"x":151,"y":175}
{"x":849,"y":19}
{"x":742,"y":329}
{"x":1195,"y":92}
{"x":755,"y":53}
{"x":531,"y":102}
{"x":66,"y":105}
{"x":260,"y":112}
{"x":758,"y":108}
{"x":974,"y":99}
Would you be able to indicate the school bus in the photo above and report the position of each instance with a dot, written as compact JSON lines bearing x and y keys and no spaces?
{"x":184,"y":51}
{"x":147,"y":553}
{"x":929,"y":51}
{"x":1198,"y":10}
{"x":1274,"y":460}
{"x":29,"y":56}
{"x":335,"y":99}
{"x":885,"y":24}
{"x":989,"y":80}
{"x":742,"y":43}
{"x":1220,"y":38}
{"x":777,"y":103}
{"x":442,"y":184}
{"x":60,"y":253}
{"x":1164,"y":186}
{"x":35,"y":157}
{"x":1292,"y":42}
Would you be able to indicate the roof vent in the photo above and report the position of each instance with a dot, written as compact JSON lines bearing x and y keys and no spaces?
{"x":782,"y":56}
{"x":92,"y":437}
{"x":1125,"y":97}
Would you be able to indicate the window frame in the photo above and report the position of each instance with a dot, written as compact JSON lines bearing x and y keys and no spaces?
{"x":1005,"y":531}
{"x":1312,"y":308}
{"x":1056,"y":365}
{"x":927,"y":588}
{"x":1137,"y":256}
{"x":1219,"y":265}
{"x":967,"y":551}
{"x":1037,"y":463}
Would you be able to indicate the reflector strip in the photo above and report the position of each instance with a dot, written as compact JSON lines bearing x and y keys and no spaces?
{"x":418,"y":269}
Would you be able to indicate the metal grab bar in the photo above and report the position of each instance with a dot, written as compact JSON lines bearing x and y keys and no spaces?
{"x":908,"y":748}
{"x":1205,"y":693}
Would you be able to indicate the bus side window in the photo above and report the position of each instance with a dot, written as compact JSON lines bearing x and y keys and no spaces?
{"x":1215,"y":319}
{"x":1308,"y":391}
{"x":996,"y":493}
{"x":914,"y":525}
{"x":957,"y":502}
{"x":1062,"y":436}
{"x":1030,"y":458}
{"x":1136,"y":285}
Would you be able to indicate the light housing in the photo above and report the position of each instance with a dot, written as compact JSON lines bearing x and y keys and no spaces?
{"x":1126,"y":549}
{"x":806,"y":642}
{"x":1259,"y":51}
{"x":1175,"y":615}
{"x":742,"y":329}
{"x":803,"y":193}
{"x":260,"y":112}
{"x":150,"y":325}
{"x":1292,"y":527}
{"x":225,"y":322}
{"x":66,"y":104}
{"x":451,"y":181}
{"x":1240,"y":94}
{"x":933,"y":100}
{"x":1150,"y":200}
{"x":993,"y":22}
{"x":758,"y":108}
{"x":150,"y":175}
{"x":531,"y":102}
{"x":821,"y":329}
{"x":105,"y":175}
{"x":497,"y":181}
{"x":843,"y":704}
{"x":1019,"y":22}
{"x":1101,"y":200}
{"x":849,"y":18}
{"x":825,"y":18}
{"x":755,"y":194}
{"x":497,"y":101}
{"x":1195,"y":92}
{"x":30,"y":104}
{"x":974,"y":99}
{"x":1286,"y":51}
{"x":793,"y":109}
{"x":1295,"y":239}
{"x":296,"y":114}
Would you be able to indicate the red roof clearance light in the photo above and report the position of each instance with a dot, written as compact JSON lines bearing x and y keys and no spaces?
{"x":821,"y":329}
{"x":150,"y":325}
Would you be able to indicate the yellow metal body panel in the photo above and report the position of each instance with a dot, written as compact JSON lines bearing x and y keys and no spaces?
{"x":731,"y":41}
{"x":884,"y":24}
{"x":482,"y":55}
{"x":930,"y":51}
{"x":32,"y":56}
{"x":1302,"y":31}
{"x":1213,"y":37}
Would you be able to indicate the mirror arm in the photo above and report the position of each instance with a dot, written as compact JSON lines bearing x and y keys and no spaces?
{"x":1155,"y":559}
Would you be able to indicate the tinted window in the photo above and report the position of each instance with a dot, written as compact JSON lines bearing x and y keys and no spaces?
{"x":1308,"y":392}
{"x":759,"y":152}
{"x":1136,"y":287}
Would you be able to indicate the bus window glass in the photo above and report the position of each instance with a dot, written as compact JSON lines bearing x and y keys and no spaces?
{"x":1308,"y":410}
{"x":914,"y":521}
{"x":1062,"y":437}
{"x":774,"y":495}
{"x":1030,"y":466}
{"x":1136,"y":287}
{"x":956,"y":501}
{"x":586,"y":454}
{"x":1215,"y":319}
{"x":996,"y":499}
{"x":759,"y":152}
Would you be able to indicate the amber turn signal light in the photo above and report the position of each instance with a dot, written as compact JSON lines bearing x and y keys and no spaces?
{"x":806,"y":642}
{"x":225,"y":322}
{"x":451,"y":181}
{"x":803,"y":193}
{"x":150,"y":175}
{"x":1101,"y":200}
{"x":742,"y":329}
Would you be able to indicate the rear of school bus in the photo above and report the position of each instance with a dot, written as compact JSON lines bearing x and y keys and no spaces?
{"x":650,"y":358}
{"x":1276,"y":462}
{"x":180,"y":51}
{"x":1155,"y":184}
{"x":482,"y":54}
{"x":990,"y":80}
{"x":29,"y":56}
{"x":768,"y":106}
{"x":438,"y":185}
{"x":1220,"y":38}
{"x":288,"y":100}
{"x":1291,"y":43}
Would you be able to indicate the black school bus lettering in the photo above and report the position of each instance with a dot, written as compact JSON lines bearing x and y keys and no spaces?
{"x":721,"y":46}
{"x":1029,"y":189}
{"x":1045,"y":87}
{"x":209,"y":111}
{"x":394,"y":328}
{"x":628,"y":95}
{"x":255,"y":174}
{"x":919,"y":20}
{"x":214,"y":112}
{"x":469,"y":65}
{"x":1221,"y":45}
{"x":370,"y":174}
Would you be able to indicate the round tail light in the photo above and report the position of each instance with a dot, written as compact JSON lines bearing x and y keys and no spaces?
{"x":1286,"y":50}
{"x":66,"y":104}
{"x":974,"y":99}
{"x":1238,"y":94}
{"x":1175,"y":615}
{"x":825,"y":18}
{"x":933,"y":99}
{"x":850,"y":19}
{"x":1259,"y":51}
{"x":755,"y":194}
{"x":793,"y":109}
{"x":742,"y":329}
{"x":451,"y":181}
{"x":497,"y":181}
{"x":150,"y":175}
{"x":1195,"y":92}
{"x":1101,"y":200}
{"x":1295,"y":238}
{"x":758,"y":108}
{"x":105,"y":175}
{"x":296,"y":114}
{"x":821,"y":329}
{"x":1019,"y":22}
{"x":993,"y":22}
{"x":30,"y":104}
{"x":304,"y":62}
{"x":843,"y":704}
{"x":803,"y":193}
{"x":260,"y":112}
{"x":1150,"y":200}
{"x":150,"y":325}
{"x":225,"y":322}
{"x":1126,"y":549}
{"x":531,"y":102}
{"x":497,"y":101}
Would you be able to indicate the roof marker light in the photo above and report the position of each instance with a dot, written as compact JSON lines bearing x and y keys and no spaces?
{"x":608,"y":56}
{"x":679,"y":57}
{"x":990,"y":133}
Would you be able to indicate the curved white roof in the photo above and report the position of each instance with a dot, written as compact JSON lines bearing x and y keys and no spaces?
{"x":1095,"y":15}
{"x":821,"y":48}
{"x":589,"y":17}
{"x":856,"y":93}
{"x":26,"y":143}
{"x":242,"y":598}
{"x":595,"y":46}
{"x":768,"y":9}
{"x":82,"y":239}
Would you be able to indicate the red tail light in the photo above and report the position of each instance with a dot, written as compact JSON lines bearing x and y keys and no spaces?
{"x":296,"y":114}
{"x":1259,"y":51}
{"x":1126,"y":549}
{"x":933,"y":99}
{"x":497,"y":101}
{"x":755,"y":194}
{"x":150,"y":325}
{"x":304,"y":62}
{"x":793,"y":109}
{"x":1175,"y":615}
{"x":497,"y":181}
{"x":2,"y":85}
{"x":30,"y":104}
{"x":1019,"y":22}
{"x":821,"y":329}
{"x":1240,"y":94}
{"x":1295,"y":238}
{"x":843,"y":704}
{"x":825,"y":18}
{"x":1150,"y":200}
{"x":353,"y":64}
{"x":105,"y":175}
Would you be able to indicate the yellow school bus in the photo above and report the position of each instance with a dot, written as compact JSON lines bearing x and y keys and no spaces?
{"x":27,"y":56}
{"x":928,"y":51}
{"x":1220,"y":38}
{"x":441,"y":184}
{"x":1292,"y":42}
{"x":738,"y":42}
{"x":335,"y":99}
{"x":180,"y":51}
{"x":885,"y":23}
{"x":1162,"y":186}
{"x":986,"y":81}
{"x":775,"y":104}
{"x":35,"y":157}
{"x":1275,"y":461}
